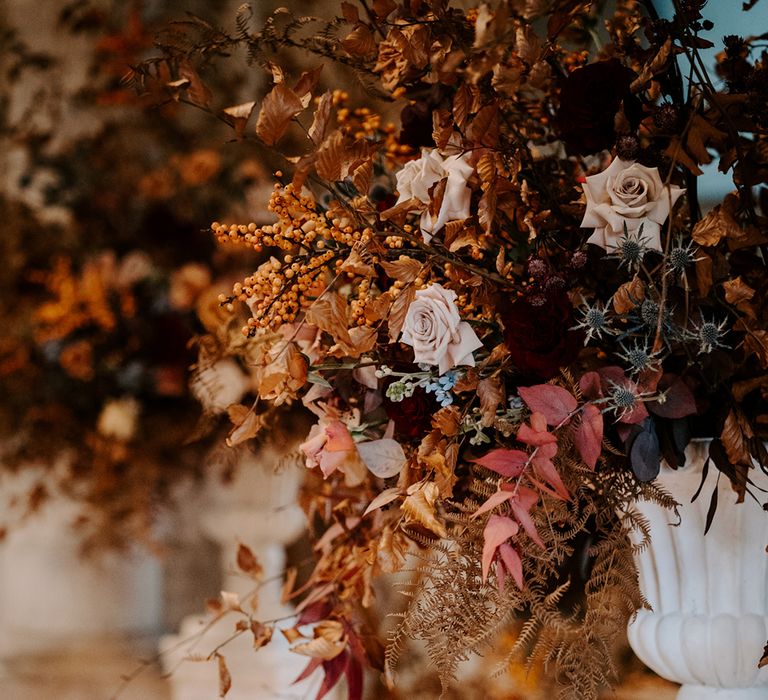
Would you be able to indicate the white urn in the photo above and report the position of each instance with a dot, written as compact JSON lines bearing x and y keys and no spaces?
{"x":708,"y":593}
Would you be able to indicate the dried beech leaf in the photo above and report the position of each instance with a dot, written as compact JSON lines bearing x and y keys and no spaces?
{"x":735,"y":436}
{"x":322,"y":116}
{"x":629,"y":295}
{"x":278,"y":108}
{"x":225,"y":679}
{"x":399,"y":310}
{"x":419,"y":507}
{"x":237,"y":116}
{"x":737,"y":291}
{"x":329,"y":313}
{"x":404,"y":269}
{"x":491,"y":394}
{"x":359,"y":43}
{"x":247,"y":561}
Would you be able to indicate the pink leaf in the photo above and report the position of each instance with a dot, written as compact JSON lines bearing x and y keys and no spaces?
{"x":498,"y":530}
{"x":501,"y":576}
{"x":494,"y":500}
{"x":333,"y":670}
{"x":508,"y":463}
{"x":545,"y":468}
{"x":511,"y":558}
{"x":521,"y":507}
{"x":310,"y":668}
{"x":531,"y":436}
{"x":588,"y":435}
{"x":553,"y":402}
{"x":589,"y":385}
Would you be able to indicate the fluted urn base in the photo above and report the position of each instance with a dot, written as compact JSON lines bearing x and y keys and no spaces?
{"x":708,"y":593}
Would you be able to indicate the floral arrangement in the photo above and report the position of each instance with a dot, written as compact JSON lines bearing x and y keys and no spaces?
{"x":491,"y":282}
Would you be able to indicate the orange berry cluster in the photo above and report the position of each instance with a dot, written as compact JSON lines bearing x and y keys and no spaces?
{"x":315,"y":245}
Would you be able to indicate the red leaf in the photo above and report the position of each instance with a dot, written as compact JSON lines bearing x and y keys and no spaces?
{"x":507,"y":463}
{"x":498,"y":530}
{"x":521,"y":505}
{"x":354,"y":674}
{"x":511,"y":558}
{"x":553,"y":402}
{"x":545,"y":468}
{"x":495,"y":499}
{"x":311,"y":667}
{"x":589,"y":385}
{"x":588,"y":435}
{"x":535,"y":433}
{"x":333,"y":670}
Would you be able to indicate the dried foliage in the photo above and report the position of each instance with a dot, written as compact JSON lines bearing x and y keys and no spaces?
{"x":494,"y":288}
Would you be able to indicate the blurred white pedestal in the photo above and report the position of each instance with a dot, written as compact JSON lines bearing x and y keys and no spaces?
{"x":51,"y":596}
{"x":260,"y":510}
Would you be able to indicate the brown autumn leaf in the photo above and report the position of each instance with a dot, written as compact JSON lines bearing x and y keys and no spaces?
{"x":716,"y":225}
{"x":197,"y":92}
{"x":225,"y":679}
{"x":737,"y":291}
{"x":654,"y":66}
{"x":350,"y":12}
{"x":756,"y":343}
{"x":391,"y":550}
{"x":491,"y":394}
{"x":247,"y":562}
{"x":262,"y":634}
{"x":306,"y":83}
{"x":291,"y":634}
{"x":329,"y":641}
{"x":398,"y":213}
{"x":398,"y":311}
{"x":628,"y":295}
{"x":383,"y":8}
{"x":357,"y":265}
{"x":237,"y":116}
{"x":359,"y":43}
{"x":419,"y":507}
{"x":361,"y":175}
{"x":704,"y":273}
{"x":484,"y":126}
{"x":283,"y":373}
{"x":329,"y":313}
{"x":468,"y":382}
{"x":321,"y":118}
{"x":442,"y":127}
{"x":735,"y":436}
{"x":247,"y":424}
{"x":278,"y":108}
{"x":447,"y":420}
{"x":404,"y":269}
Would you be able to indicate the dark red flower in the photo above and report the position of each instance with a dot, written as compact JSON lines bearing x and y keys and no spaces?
{"x":538,"y":335}
{"x":589,"y":100}
{"x":413,"y":415}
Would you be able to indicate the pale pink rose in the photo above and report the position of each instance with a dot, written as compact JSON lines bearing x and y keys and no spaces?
{"x":418,"y":176}
{"x":433,"y":327}
{"x":330,"y":447}
{"x":627,"y":193}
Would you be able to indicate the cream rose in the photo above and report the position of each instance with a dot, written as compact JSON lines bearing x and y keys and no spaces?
{"x":436,"y":332}
{"x":627,"y":193}
{"x":416,"y":178}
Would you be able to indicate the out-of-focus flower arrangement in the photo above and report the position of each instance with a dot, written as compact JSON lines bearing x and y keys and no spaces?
{"x":491,"y":282}
{"x":105,"y":268}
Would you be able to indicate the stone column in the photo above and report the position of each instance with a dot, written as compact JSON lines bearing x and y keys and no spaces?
{"x":259,"y":510}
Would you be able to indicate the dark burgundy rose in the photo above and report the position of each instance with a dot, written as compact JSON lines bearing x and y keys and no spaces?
{"x":413,"y":415}
{"x":538,"y":337}
{"x":589,"y":100}
{"x":416,"y":122}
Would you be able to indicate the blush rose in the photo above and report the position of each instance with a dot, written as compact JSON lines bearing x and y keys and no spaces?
{"x":418,"y":176}
{"x":627,"y":194}
{"x":435,"y":331}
